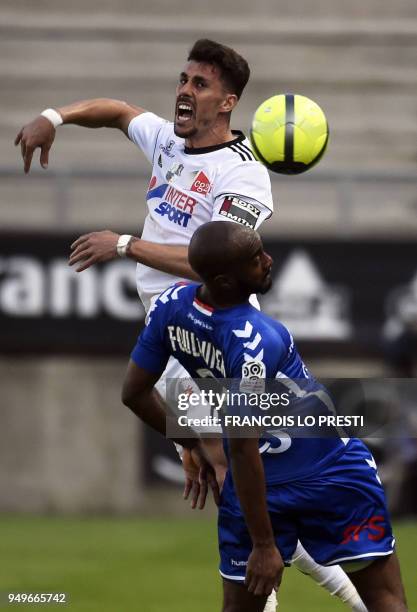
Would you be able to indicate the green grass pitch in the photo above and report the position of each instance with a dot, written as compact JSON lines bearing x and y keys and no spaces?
{"x":144,"y":565}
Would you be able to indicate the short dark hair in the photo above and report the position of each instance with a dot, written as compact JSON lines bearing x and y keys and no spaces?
{"x":233,"y":67}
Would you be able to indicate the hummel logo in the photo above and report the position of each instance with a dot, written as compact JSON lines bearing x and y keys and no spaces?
{"x":244,"y":333}
{"x":238,"y":563}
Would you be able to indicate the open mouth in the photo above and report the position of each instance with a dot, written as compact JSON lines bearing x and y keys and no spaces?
{"x":184,"y":112}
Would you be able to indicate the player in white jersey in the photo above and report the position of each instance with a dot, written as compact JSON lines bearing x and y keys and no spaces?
{"x":201,"y":171}
{"x":190,"y":186}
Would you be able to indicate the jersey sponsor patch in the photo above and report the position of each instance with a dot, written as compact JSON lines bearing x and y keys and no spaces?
{"x":253,"y":369}
{"x":178,"y":207}
{"x":253,"y":377}
{"x":175,"y":170}
{"x":152,"y":183}
{"x":201,"y":184}
{"x":374,"y":528}
{"x":238,"y":210}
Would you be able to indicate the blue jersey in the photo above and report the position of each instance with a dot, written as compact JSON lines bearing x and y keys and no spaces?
{"x":229,"y":343}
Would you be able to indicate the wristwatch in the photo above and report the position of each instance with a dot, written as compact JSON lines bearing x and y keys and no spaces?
{"x":122,"y":244}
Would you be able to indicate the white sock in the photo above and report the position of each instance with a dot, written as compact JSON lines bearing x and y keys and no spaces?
{"x":271,"y":602}
{"x":332,"y":578}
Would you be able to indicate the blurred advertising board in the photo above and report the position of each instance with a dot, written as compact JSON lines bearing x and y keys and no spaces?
{"x":45,"y":306}
{"x":333,"y":295}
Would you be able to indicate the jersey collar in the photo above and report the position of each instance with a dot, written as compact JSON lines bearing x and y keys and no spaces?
{"x":203,"y":308}
{"x":197,"y":151}
{"x":209,"y":310}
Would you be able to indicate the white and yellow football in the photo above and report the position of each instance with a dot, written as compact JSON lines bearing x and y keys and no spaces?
{"x":289,"y":133}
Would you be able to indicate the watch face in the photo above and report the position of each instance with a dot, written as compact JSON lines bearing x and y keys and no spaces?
{"x":122,"y":243}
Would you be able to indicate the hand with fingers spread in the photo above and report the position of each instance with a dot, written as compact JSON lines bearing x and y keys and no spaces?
{"x":39,"y":133}
{"x":93,"y":248}
{"x":264,"y":569}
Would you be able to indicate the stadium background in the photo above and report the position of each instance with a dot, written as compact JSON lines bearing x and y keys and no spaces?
{"x":343,"y":237}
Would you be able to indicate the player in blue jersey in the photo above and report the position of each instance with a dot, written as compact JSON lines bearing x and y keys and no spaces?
{"x":325,"y":492}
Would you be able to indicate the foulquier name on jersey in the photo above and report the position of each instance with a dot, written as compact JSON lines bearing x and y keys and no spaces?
{"x":187,"y":342}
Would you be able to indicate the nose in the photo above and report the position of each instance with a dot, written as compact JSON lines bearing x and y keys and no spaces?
{"x":184,"y":89}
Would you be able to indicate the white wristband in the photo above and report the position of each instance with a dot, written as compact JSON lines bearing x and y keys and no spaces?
{"x":180,"y":450}
{"x":122,"y":244}
{"x":53,"y":116}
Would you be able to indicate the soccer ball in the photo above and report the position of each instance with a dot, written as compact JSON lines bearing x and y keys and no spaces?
{"x":289,"y":133}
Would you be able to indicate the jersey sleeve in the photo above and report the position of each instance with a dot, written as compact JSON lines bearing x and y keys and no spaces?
{"x":150,"y":351}
{"x":242,"y":193}
{"x":144,"y":130}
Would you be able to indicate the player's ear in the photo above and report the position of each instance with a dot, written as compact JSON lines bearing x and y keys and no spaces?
{"x":229,"y":103}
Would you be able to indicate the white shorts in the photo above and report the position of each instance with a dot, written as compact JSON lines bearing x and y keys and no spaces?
{"x":185,"y":384}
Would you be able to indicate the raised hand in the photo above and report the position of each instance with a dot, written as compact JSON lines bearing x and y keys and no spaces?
{"x":93,"y":248}
{"x":39,"y":133}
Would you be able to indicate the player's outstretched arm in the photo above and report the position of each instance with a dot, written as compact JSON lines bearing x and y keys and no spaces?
{"x":167,"y":258}
{"x":96,"y":247}
{"x":141,"y":397}
{"x":265,"y":565}
{"x":101,"y":112}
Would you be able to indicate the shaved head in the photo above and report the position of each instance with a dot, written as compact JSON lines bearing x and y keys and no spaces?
{"x":218,"y":246}
{"x":231,"y":260}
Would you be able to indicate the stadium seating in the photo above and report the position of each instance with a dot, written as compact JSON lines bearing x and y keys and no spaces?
{"x":358,"y":62}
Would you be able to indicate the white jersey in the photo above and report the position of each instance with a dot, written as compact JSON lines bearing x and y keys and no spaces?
{"x":190,"y":187}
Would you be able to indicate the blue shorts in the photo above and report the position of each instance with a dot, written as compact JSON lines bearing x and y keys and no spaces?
{"x":339,"y":515}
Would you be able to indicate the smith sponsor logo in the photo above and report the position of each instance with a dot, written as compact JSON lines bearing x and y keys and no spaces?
{"x":178,"y":206}
{"x":240,"y":211}
{"x":201,"y":184}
